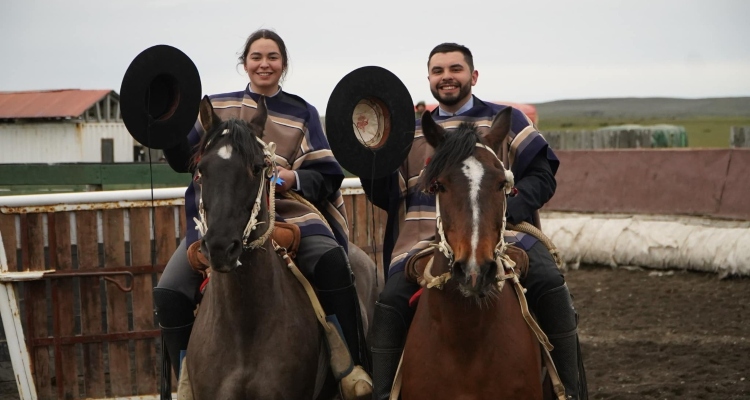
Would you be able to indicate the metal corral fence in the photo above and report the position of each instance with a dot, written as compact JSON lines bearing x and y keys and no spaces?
{"x":77,"y":272}
{"x":619,"y":137}
{"x":739,"y":136}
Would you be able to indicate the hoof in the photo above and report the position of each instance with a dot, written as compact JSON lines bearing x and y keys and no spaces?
{"x":356,"y":386}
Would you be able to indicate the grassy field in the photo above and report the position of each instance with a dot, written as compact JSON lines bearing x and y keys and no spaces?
{"x":706,"y":121}
{"x":702,"y":131}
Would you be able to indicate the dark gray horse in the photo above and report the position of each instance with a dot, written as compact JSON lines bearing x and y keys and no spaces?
{"x":256,"y":335}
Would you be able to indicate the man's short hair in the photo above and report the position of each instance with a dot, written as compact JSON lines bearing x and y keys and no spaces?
{"x":450,"y":47}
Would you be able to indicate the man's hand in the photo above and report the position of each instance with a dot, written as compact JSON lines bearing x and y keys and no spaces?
{"x":289,"y":180}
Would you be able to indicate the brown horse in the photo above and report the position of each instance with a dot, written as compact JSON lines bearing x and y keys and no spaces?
{"x":256,"y":335}
{"x":470,"y":339}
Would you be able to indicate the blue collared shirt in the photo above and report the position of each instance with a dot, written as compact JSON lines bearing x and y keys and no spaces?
{"x":469,"y":104}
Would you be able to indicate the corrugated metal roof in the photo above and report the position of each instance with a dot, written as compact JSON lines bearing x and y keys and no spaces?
{"x":48,"y":103}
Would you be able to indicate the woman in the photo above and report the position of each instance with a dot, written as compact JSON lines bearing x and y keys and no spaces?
{"x":306,"y":166}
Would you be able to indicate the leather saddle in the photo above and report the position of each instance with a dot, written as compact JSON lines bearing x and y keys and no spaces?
{"x":284,"y":234}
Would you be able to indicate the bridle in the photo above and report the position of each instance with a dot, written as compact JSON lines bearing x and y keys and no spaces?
{"x":268,"y":172}
{"x":445,"y":248}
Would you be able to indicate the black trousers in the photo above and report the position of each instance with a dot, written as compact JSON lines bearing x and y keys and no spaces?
{"x":180,"y":277}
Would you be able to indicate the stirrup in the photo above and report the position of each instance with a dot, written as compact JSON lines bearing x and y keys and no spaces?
{"x":357,"y":385}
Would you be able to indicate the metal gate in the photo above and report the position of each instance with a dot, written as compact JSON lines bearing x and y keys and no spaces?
{"x":77,"y":273}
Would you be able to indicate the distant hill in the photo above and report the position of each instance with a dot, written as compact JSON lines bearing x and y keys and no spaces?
{"x":654,"y":107}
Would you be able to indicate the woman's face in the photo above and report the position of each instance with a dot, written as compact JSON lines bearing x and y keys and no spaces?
{"x":264,"y":66}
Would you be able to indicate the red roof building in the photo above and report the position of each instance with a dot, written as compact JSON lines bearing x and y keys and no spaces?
{"x":97,"y":105}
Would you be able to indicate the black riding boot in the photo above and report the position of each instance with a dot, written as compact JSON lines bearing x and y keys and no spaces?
{"x":557,"y":318}
{"x":387,"y":338}
{"x":174,"y":312}
{"x":338,"y":296}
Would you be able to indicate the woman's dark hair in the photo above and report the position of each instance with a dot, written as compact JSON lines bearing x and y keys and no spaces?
{"x":267,"y":34}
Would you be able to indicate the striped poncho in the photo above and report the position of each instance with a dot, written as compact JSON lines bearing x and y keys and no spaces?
{"x":411,"y":212}
{"x":294,"y":125}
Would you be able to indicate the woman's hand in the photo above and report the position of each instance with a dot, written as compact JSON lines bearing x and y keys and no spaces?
{"x":289,"y":179}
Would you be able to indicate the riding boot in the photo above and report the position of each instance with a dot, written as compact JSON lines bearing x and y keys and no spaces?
{"x":174,"y":312}
{"x":338,"y":296}
{"x":387,"y":338}
{"x":557,"y":318}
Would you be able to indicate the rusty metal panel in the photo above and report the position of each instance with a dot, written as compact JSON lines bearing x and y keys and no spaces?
{"x":146,"y":361}
{"x":32,"y":239}
{"x":182,"y":222}
{"x":349,"y":206}
{"x":61,"y":258}
{"x":117,"y":303}
{"x":91,"y":306}
{"x":165,"y":242}
{"x":360,"y":221}
{"x":67,"y":103}
{"x":118,"y":232}
{"x":8,"y":231}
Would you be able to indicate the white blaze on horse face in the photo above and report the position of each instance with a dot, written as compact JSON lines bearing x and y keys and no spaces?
{"x":225,"y":152}
{"x":474,"y":171}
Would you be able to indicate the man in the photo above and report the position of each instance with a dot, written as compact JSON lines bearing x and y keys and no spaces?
{"x":419,"y":109}
{"x":411,"y":221}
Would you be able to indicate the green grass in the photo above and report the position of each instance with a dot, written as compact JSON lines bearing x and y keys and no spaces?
{"x":701,"y":131}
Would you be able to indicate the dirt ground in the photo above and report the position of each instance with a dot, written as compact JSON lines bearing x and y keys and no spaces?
{"x":663,"y":334}
{"x":655,"y":334}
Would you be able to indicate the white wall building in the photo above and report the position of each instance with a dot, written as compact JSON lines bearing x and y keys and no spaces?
{"x":63,"y":126}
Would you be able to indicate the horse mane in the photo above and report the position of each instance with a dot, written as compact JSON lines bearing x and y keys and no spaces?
{"x":457,"y":146}
{"x":241,"y":136}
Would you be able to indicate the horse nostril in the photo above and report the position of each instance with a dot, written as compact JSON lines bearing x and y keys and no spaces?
{"x":491,"y":270}
{"x":234,"y":248}
{"x":458,"y":269}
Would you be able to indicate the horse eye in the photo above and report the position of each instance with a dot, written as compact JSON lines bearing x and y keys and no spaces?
{"x":435,"y":187}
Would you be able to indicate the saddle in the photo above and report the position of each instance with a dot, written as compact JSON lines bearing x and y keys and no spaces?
{"x":286,"y":235}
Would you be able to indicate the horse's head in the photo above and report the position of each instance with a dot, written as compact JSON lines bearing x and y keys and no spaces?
{"x":232,"y":168}
{"x":470,"y":184}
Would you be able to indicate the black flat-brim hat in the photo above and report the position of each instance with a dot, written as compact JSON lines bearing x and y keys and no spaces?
{"x":159,"y":97}
{"x":370,"y":122}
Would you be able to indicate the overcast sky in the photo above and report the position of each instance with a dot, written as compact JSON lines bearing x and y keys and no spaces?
{"x":525,"y":51}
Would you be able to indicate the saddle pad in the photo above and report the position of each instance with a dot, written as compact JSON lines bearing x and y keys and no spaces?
{"x":287,"y":236}
{"x":414,"y":300}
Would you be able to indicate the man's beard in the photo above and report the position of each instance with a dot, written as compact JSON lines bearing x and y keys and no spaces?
{"x":463,"y":91}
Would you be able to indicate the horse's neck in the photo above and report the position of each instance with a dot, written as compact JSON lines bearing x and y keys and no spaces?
{"x":252,"y":290}
{"x":449,"y":309}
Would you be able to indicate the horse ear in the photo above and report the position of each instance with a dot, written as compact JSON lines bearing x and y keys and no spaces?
{"x":499,"y":129}
{"x":261,"y":114}
{"x":434,"y":133}
{"x":208,"y":117}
